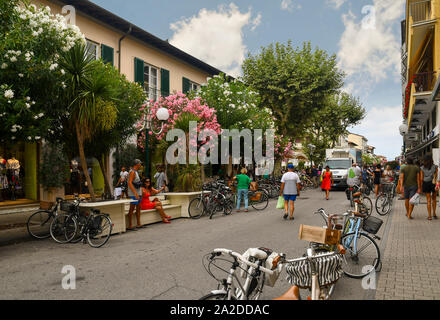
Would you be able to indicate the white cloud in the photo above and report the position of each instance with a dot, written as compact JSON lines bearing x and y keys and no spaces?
{"x":216,"y":36}
{"x":381,"y":128}
{"x":336,"y":3}
{"x":370,"y":46}
{"x":288,"y":5}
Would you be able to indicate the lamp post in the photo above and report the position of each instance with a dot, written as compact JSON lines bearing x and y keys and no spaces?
{"x":162,"y":115}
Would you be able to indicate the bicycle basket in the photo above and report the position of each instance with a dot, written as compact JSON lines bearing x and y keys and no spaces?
{"x":329,"y":271}
{"x":372,"y":225}
{"x":67,"y":206}
{"x":256,"y":197}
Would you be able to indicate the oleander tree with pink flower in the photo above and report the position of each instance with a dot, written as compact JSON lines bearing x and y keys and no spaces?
{"x":182,"y":111}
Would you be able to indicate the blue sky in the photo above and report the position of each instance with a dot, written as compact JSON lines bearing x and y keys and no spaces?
{"x":364,"y":34}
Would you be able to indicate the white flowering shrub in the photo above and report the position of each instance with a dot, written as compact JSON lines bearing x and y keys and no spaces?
{"x":30,"y":78}
{"x":237,"y":106}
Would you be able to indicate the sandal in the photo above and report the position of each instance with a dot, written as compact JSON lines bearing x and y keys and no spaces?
{"x":291,"y":218}
{"x":429,"y":218}
{"x":285,"y":216}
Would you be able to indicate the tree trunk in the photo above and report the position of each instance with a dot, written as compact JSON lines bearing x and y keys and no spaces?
{"x":83,"y":160}
{"x":103,"y":166}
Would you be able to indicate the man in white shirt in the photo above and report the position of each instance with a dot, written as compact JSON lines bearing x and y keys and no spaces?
{"x":123,"y":180}
{"x":290,"y":189}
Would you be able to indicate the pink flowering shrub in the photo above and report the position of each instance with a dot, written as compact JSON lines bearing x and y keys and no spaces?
{"x":179,"y":106}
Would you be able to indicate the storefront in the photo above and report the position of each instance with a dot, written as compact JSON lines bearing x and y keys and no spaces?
{"x":77,"y":184}
{"x":18,"y":172}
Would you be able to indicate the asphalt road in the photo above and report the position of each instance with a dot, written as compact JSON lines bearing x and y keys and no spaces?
{"x":164,"y":261}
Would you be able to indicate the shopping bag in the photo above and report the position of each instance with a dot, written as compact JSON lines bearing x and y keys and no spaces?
{"x":415,"y":200}
{"x":118,"y":192}
{"x":280,"y":204}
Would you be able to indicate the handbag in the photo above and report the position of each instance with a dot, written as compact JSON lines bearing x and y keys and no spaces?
{"x":280,"y":203}
{"x":415,"y":200}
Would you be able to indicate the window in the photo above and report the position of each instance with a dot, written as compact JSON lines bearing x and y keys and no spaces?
{"x":151,"y":82}
{"x":92,"y":49}
{"x":194,"y":86}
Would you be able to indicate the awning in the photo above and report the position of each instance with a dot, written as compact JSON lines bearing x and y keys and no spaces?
{"x":423,"y":145}
{"x":296,"y":155}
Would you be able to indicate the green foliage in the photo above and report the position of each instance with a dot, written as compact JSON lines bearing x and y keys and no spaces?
{"x":188,"y":179}
{"x":236,"y":105}
{"x":338,"y":113}
{"x":53,"y":172}
{"x":31,"y":81}
{"x":301,"y":165}
{"x":293,"y":82}
{"x":369,"y":159}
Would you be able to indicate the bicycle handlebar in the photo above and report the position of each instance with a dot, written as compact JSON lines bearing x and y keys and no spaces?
{"x":238,"y":256}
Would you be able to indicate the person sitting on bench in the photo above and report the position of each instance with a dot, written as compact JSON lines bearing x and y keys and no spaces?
{"x":146,"y":204}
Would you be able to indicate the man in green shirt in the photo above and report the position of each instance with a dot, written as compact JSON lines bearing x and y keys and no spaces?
{"x":410,"y":180}
{"x":242,"y":189}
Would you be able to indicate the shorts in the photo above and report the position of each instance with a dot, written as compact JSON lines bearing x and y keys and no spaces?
{"x":136,"y":202}
{"x":290,"y":197}
{"x":410,"y":191}
{"x":428,"y":187}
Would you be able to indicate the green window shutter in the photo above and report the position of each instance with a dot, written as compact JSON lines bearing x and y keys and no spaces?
{"x":107,"y":54}
{"x":186,"y":85}
{"x":139,"y":71}
{"x":164,"y":82}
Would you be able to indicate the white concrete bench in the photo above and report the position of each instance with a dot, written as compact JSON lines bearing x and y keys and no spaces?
{"x":152,"y":215}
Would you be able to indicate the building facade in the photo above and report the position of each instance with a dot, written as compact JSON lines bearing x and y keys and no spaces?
{"x":420,"y":80}
{"x":159,"y":67}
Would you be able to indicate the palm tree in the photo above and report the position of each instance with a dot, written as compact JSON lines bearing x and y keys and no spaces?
{"x":84,"y":89}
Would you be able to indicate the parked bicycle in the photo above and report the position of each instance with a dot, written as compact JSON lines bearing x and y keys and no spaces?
{"x":358,"y":238}
{"x":384,"y":202}
{"x":73,"y":226}
{"x":38,"y":224}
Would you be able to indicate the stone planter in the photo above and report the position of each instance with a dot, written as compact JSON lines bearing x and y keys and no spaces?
{"x":49,"y":196}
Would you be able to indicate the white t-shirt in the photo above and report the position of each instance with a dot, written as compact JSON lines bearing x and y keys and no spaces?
{"x":290,"y":180}
{"x":124,"y":175}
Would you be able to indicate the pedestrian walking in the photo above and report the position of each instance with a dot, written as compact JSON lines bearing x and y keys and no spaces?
{"x":243,"y":182}
{"x":134,"y":192}
{"x":290,"y":189}
{"x":147,"y":192}
{"x":429,"y":173}
{"x":123,"y":182}
{"x":314,"y":176}
{"x":410,"y":180}
{"x":161,"y":178}
{"x":327,"y":182}
{"x":354,"y":175}
{"x":377,"y":174}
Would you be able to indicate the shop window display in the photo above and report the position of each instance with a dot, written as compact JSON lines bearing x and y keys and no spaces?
{"x":11,"y":173}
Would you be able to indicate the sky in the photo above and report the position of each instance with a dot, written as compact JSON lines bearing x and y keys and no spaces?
{"x":364,"y":35}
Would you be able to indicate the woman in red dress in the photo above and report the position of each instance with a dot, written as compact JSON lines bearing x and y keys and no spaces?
{"x":146,"y":204}
{"x":327,"y":181}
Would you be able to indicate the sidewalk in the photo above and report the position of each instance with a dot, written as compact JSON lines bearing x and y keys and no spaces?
{"x":411,"y":259}
{"x":13,"y":225}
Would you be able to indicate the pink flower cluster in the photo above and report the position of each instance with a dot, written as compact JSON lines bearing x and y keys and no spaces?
{"x":177,"y":105}
{"x":283,"y":146}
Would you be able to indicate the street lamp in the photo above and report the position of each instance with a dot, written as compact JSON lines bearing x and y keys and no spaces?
{"x":162,"y":115}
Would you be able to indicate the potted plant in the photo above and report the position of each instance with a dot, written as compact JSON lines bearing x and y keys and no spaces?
{"x":53,"y":174}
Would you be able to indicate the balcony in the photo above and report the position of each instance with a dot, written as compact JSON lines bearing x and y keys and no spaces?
{"x":421,"y":11}
{"x":424,"y":82}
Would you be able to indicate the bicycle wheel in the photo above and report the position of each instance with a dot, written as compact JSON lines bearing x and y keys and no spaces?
{"x":228,"y":207}
{"x":38,"y":224}
{"x":361,"y":251}
{"x":63,"y":228}
{"x":383,"y":205}
{"x":262,"y":203}
{"x":97,"y":237}
{"x":196,"y":208}
{"x":368,"y":204}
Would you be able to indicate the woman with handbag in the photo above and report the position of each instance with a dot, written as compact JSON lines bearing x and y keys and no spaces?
{"x":327,"y":181}
{"x":429,"y":178}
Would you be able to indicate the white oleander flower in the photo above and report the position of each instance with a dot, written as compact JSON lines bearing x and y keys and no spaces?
{"x":53,"y":66}
{"x":9,"y":94}
{"x":21,"y":75}
{"x":28,"y":106}
{"x":4,"y":65}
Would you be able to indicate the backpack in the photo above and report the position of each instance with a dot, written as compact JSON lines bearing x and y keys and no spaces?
{"x":351,"y":173}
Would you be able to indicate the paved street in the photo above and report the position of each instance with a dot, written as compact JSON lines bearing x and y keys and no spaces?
{"x":162,"y":261}
{"x":412,"y":257}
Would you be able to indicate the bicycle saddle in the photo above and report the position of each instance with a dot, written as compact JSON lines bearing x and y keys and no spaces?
{"x":291,"y":294}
